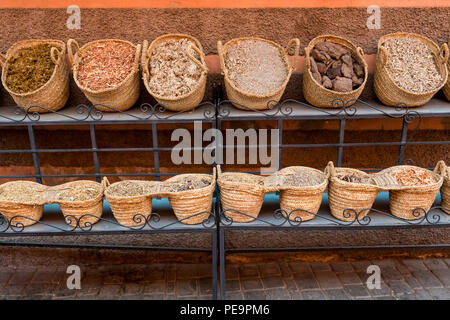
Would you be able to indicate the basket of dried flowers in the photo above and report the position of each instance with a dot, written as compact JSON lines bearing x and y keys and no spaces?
{"x":334,"y":69}
{"x":80,"y":201}
{"x":131,"y":200}
{"x":35,"y":73}
{"x":174,"y":71}
{"x":241,"y":192}
{"x":190,"y":196}
{"x":301,"y":190}
{"x":22,"y":202}
{"x":350,"y":191}
{"x":107,"y":71}
{"x":445,"y":190}
{"x":410,"y":69}
{"x":412,"y":190}
{"x":256,"y":71}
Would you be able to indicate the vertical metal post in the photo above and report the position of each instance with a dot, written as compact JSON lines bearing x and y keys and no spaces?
{"x":214,"y":263}
{"x":280,"y":141}
{"x":222,"y":263}
{"x":94,"y":152}
{"x":156,"y":151}
{"x":341,"y":141}
{"x":37,"y":166}
{"x":403,"y":139}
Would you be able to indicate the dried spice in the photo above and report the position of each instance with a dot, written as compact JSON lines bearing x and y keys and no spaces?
{"x":256,"y":67}
{"x":245,"y":179}
{"x":412,"y":65}
{"x":188,"y":183}
{"x":105,"y":65}
{"x":78,"y":193}
{"x":353,"y":178}
{"x":20,"y":193}
{"x":131,"y":189}
{"x":414,"y":177}
{"x":301,"y":178}
{"x":172,"y":72}
{"x":30,"y":69}
{"x":333,"y":67}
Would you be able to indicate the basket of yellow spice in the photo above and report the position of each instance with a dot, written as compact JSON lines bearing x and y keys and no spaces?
{"x":36,"y":75}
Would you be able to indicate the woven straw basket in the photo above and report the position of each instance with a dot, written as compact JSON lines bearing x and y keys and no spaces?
{"x":344,"y":195}
{"x":120,"y":97}
{"x":318,"y":95}
{"x":445,"y":191}
{"x":307,"y":198}
{"x":446,"y":87}
{"x":11,"y":209}
{"x":92,"y":208}
{"x":130,"y":211}
{"x":258,"y":102}
{"x":242,"y":197}
{"x":52,"y":95}
{"x":188,"y":100}
{"x":192,"y":206}
{"x":388,"y":91}
{"x":404,"y":201}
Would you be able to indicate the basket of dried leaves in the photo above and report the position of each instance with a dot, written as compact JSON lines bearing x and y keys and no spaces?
{"x":241,"y":195}
{"x":35,"y":73}
{"x":81,"y":202}
{"x":131,"y":200}
{"x":256,"y":71}
{"x":334,"y":69}
{"x":107,"y":71}
{"x":412,"y":190}
{"x":190,"y":196}
{"x":301,"y":190}
{"x":350,"y":192}
{"x":445,"y":190}
{"x":410,"y":69}
{"x":22,"y":202}
{"x":174,"y":71}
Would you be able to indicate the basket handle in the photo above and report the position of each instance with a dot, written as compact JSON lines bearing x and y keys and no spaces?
{"x":70,"y":44}
{"x":440,"y":168}
{"x":296,"y":43}
{"x":193,"y":59}
{"x":56,"y":55}
{"x":444,"y":53}
{"x":137,"y":58}
{"x":360,"y":52}
{"x":105,"y":183}
{"x":2,"y":59}
{"x":144,"y":59}
{"x":221,"y":58}
{"x":384,"y":55}
{"x":219,"y":171}
{"x":330,"y":170}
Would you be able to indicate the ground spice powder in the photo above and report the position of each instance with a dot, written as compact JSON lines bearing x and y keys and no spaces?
{"x":30,"y":69}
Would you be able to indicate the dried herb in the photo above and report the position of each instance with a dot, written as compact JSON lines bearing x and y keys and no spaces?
{"x":188,"y":183}
{"x":245,"y":179}
{"x":20,"y":193}
{"x":353,"y":178}
{"x":30,"y":69}
{"x":256,"y":67}
{"x":414,"y":177}
{"x":301,"y":178}
{"x":79,"y":193}
{"x":105,"y":65}
{"x":131,"y":189}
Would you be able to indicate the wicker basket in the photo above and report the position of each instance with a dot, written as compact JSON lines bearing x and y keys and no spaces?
{"x":131,"y":211}
{"x":318,"y":95}
{"x":445,"y":191}
{"x":347,"y":199}
{"x":85,"y":212}
{"x":120,"y":97}
{"x":295,"y":199}
{"x":192,"y":206}
{"x":188,"y":100}
{"x":258,"y":102}
{"x":388,"y":91}
{"x":23,"y":214}
{"x":446,"y":87}
{"x":54,"y":94}
{"x":242,"y":197}
{"x":410,"y":202}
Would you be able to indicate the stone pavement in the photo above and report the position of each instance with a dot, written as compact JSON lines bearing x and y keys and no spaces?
{"x":401,"y":279}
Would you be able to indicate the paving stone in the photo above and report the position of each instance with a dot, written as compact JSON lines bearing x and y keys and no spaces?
{"x":168,"y":297}
{"x":255,"y":295}
{"x":356,"y":291}
{"x":413,"y":283}
{"x":204,"y":297}
{"x":5,"y":275}
{"x":12,"y":290}
{"x":341,"y":266}
{"x":391,"y":274}
{"x":269,"y":270}
{"x":114,"y":279}
{"x":204,"y":270}
{"x":414,"y":264}
{"x":170,"y":273}
{"x":435,"y":264}
{"x":327,"y":280}
{"x":422,"y":294}
{"x":21,"y":276}
{"x":349,"y":278}
{"x":49,"y":275}
{"x":361,"y":266}
{"x":131,"y":297}
{"x":251,"y":284}
{"x":156,"y":273}
{"x":110,"y":291}
{"x":336,"y":294}
{"x":170,"y":287}
{"x":290,"y":285}
{"x":186,"y":287}
{"x":306,"y":280}
{"x":427,"y":279}
{"x":313,"y":295}
{"x":320,"y":266}
{"x":205,"y":286}
{"x":35,"y":289}
{"x":187,"y":271}
{"x":231,"y":271}
{"x":447,"y":261}
{"x":232,"y":285}
{"x":299,"y":267}
{"x":385,"y":298}
{"x":296,"y":295}
{"x":286,"y":272}
{"x":400,"y":288}
{"x":63,"y":292}
{"x":273,"y":282}
{"x":277,"y":294}
{"x":132,"y":289}
{"x":235,"y":296}
{"x":157,"y":286}
{"x":248,"y":271}
{"x":156,"y":296}
{"x":439,"y":293}
{"x":384,"y":290}
{"x":443,"y":275}
{"x":384,"y":263}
